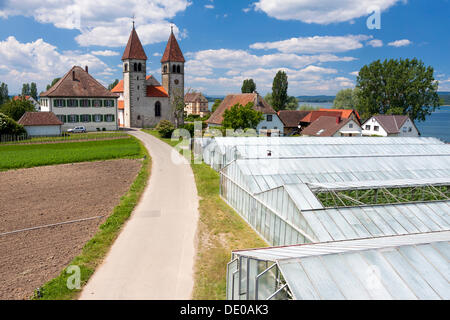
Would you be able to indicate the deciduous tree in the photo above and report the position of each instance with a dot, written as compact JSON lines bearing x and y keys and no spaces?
{"x":279,"y":91}
{"x":248,"y":86}
{"x":242,"y":117}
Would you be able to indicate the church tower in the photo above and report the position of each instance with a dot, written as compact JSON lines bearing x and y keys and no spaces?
{"x":172,"y":68}
{"x":134,"y":62}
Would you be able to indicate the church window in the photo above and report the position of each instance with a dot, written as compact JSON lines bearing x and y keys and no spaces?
{"x":126,"y":67}
{"x":178,"y":69}
{"x":135,"y":66}
{"x":139,"y":117}
{"x":139,"y":67}
{"x":158,"y":109}
{"x":165,"y":68}
{"x":174,"y":68}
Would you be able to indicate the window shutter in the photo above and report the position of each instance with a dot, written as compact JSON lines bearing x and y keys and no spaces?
{"x":64,"y":118}
{"x":78,"y":118}
{"x":89,"y":103}
{"x":101,"y":103}
{"x":64,"y":103}
{"x":112,"y":118}
{"x":90,"y":118}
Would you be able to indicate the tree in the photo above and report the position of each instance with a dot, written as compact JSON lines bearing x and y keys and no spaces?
{"x":248,"y":86}
{"x":279,"y":91}
{"x":242,"y":117}
{"x":9,"y":126}
{"x":53,"y":83}
{"x":165,"y":128}
{"x":396,"y":86}
{"x":15,"y":109}
{"x":346,"y":99}
{"x":4,"y":95}
{"x":178,"y":105}
{"x":26,"y":89}
{"x":216,"y":104}
{"x":33,"y":91}
{"x":291,"y":103}
{"x":112,"y":85}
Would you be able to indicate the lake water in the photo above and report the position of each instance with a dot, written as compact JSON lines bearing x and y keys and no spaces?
{"x":436,"y":125}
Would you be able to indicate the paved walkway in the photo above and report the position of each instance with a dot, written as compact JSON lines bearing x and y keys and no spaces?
{"x":153,"y":257}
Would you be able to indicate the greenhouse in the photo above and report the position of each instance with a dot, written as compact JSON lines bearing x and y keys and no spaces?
{"x":344,"y":193}
{"x":396,"y":267}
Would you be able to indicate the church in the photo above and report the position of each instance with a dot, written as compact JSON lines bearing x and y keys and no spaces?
{"x":143,"y":101}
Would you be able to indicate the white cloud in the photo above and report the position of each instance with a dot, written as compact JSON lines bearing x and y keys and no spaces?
{"x":41,"y":62}
{"x":354,"y":73}
{"x":321,"y":12}
{"x":157,"y":54}
{"x":105,"y":53}
{"x":103,"y":22}
{"x":400,"y":43}
{"x":375,"y":43}
{"x":316,"y":44}
{"x":209,"y":6}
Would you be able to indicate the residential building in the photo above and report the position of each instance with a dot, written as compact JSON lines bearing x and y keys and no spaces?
{"x":41,"y":124}
{"x":291,"y":120}
{"x":333,"y":127}
{"x":345,"y":113}
{"x":342,"y":113}
{"x":390,"y":125}
{"x":145,"y":101}
{"x":77,"y":99}
{"x":33,"y":101}
{"x":196,"y":104}
{"x":271,"y":123}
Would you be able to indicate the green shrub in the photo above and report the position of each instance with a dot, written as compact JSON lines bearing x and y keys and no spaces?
{"x":165,"y":128}
{"x":9,"y":126}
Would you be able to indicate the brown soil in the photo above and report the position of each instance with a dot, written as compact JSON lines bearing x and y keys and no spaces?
{"x":49,"y":195}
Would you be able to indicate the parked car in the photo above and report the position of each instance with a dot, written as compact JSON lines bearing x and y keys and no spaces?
{"x":80,"y":129}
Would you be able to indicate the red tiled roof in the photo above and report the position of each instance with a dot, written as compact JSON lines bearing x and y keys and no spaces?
{"x":328,"y":125}
{"x":39,"y":119}
{"x":345,"y":113}
{"x":20,"y":98}
{"x":291,"y":118}
{"x":314,"y":115}
{"x":78,"y":83}
{"x":134,"y":49}
{"x":391,"y":123}
{"x":156,"y":91}
{"x":118,"y":88}
{"x":120,"y":105}
{"x":173,"y":52}
{"x":230,"y":100}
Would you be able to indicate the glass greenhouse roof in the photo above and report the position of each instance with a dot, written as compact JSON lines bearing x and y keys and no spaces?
{"x":398,"y":267}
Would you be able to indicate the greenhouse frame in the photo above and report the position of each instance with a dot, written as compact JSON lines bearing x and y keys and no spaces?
{"x":361,"y":188}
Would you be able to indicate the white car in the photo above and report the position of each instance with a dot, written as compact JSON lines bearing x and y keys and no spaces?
{"x":80,"y":129}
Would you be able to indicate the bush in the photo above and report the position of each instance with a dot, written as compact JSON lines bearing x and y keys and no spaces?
{"x":165,"y":128}
{"x":9,"y":126}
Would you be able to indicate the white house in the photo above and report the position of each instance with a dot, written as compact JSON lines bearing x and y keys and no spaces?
{"x":390,"y":125}
{"x":326,"y":126}
{"x":77,"y":99}
{"x":41,"y":124}
{"x":270,"y":125}
{"x":36,"y":104}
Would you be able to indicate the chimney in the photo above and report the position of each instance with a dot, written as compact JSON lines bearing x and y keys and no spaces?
{"x":73,"y":75}
{"x":86,"y":69}
{"x":338,"y":119}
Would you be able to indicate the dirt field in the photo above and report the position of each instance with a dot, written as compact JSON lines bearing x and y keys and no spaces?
{"x":49,"y":195}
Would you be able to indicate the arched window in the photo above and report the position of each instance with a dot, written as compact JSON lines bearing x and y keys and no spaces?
{"x":139,"y":67}
{"x":174,"y":68}
{"x":178,"y":69}
{"x":165,"y":68}
{"x":158,"y":109}
{"x":135,"y":66}
{"x":125,"y":67}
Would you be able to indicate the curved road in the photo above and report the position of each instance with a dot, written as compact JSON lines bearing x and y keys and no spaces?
{"x":153,"y":257}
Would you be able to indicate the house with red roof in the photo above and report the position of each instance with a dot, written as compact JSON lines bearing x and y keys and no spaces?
{"x":33,"y":101}
{"x":333,"y":126}
{"x":390,"y":126}
{"x":41,"y":124}
{"x":323,"y":112}
{"x":143,"y":101}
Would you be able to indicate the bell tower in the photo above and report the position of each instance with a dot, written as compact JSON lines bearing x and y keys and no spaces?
{"x":172,"y":69}
{"x":134,"y":61}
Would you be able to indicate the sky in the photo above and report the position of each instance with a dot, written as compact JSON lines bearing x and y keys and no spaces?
{"x":320,"y":44}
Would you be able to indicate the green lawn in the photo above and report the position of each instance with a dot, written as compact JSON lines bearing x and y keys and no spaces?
{"x":66,"y":137}
{"x":220,"y":231}
{"x":27,"y":156}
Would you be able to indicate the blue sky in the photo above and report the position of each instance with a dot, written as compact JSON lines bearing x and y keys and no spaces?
{"x":321,"y":44}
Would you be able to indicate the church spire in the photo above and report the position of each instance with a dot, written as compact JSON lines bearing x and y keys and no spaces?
{"x":173,"y":52}
{"x":134,"y":49}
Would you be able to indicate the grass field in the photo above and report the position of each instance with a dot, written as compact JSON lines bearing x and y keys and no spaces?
{"x":8,"y":139}
{"x":27,"y":156}
{"x":96,"y":249}
{"x":220,"y":231}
